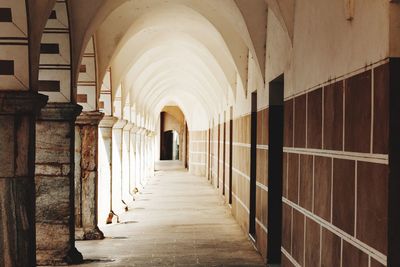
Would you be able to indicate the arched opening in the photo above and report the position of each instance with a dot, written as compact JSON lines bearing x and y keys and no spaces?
{"x":172,"y":134}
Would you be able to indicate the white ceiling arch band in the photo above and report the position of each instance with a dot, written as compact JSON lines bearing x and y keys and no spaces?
{"x":181,"y":50}
{"x":196,"y":51}
{"x":223,"y":16}
{"x":193,"y":81}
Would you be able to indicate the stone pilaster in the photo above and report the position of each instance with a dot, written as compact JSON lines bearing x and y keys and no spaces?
{"x":88,"y":124}
{"x":106,"y":212}
{"x":54,"y":177}
{"x":17,"y":184}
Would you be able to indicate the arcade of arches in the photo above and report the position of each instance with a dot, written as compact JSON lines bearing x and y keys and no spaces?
{"x":289,"y":109}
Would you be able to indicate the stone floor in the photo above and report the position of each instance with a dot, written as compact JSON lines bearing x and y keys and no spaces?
{"x":178,"y":220}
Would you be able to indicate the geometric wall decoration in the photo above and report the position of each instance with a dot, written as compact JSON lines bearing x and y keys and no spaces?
{"x":55,"y":56}
{"x":87,"y":84}
{"x":105,"y":102}
{"x":14,"y":51}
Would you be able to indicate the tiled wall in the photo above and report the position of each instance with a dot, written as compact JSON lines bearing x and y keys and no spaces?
{"x":336,"y":173}
{"x":222,"y":150}
{"x":241,"y":170}
{"x":262,"y":181}
{"x":198,"y":152}
{"x":227,"y":156}
{"x":214,"y":169}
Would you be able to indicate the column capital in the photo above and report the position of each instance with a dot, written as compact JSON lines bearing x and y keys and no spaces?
{"x":89,"y":118}
{"x":128,"y":126}
{"x":60,"y":112}
{"x":149,"y":133}
{"x":120,"y":124}
{"x":21,"y":102}
{"x":141,"y":130}
{"x":108,"y":122}
{"x":134,"y":129}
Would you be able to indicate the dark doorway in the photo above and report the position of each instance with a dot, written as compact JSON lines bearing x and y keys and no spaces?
{"x":275,"y":170}
{"x":170,"y":147}
{"x":253,"y":166}
{"x":167,"y":149}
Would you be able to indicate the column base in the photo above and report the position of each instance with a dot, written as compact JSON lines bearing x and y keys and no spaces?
{"x":112,"y":218}
{"x":74,"y":256}
{"x":79,"y":233}
{"x":55,"y":258}
{"x":94,"y":234}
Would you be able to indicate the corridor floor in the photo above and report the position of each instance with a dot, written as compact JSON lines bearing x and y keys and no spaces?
{"x":178,"y":220}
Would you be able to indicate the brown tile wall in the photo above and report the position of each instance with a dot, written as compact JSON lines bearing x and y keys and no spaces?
{"x":334,"y":173}
{"x":335,"y":178}
{"x":198,"y":152}
{"x":241,"y":169}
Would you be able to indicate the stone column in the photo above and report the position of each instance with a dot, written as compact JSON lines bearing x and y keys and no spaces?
{"x":142,"y":155}
{"x":17,"y":184}
{"x":139,"y":178}
{"x":147,"y":154}
{"x":88,"y":125}
{"x":125,"y":188}
{"x":132,"y":177}
{"x":138,"y":159}
{"x":117,"y":205}
{"x":105,"y":169}
{"x":54,"y":177}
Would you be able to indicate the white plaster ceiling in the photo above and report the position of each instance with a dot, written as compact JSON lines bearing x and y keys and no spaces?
{"x":193,"y":53}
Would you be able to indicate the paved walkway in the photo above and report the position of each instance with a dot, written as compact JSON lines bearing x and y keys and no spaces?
{"x":178,"y":220}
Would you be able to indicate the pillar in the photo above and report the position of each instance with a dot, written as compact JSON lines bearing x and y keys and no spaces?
{"x":106,"y":213}
{"x":17,"y":184}
{"x":116,"y":155}
{"x":126,"y":170}
{"x":87,"y":128}
{"x":133,"y":155}
{"x":54,"y":177}
{"x":139,"y":138}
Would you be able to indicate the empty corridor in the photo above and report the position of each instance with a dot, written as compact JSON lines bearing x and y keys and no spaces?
{"x":177,"y":220}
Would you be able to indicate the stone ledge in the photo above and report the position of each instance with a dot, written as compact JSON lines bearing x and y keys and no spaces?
{"x":60,"y":112}
{"x":108,"y":122}
{"x":89,"y":118}
{"x":14,"y":102}
{"x":120,"y":124}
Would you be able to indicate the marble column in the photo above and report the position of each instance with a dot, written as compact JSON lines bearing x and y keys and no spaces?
{"x":17,"y":183}
{"x":106,"y":213}
{"x":87,"y":127}
{"x":54,"y":177}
